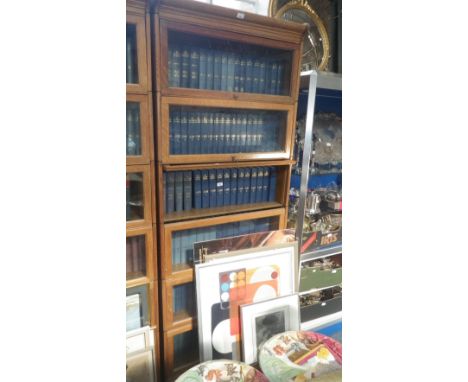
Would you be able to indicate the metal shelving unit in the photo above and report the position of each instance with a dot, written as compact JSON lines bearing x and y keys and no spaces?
{"x":310,"y":82}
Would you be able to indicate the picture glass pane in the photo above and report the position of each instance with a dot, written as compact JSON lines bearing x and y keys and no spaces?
{"x":201,"y":130}
{"x":200,"y":62}
{"x":133,"y":129}
{"x":132,"y":56}
{"x":200,"y":189}
{"x":136,"y":256}
{"x":135,"y":204}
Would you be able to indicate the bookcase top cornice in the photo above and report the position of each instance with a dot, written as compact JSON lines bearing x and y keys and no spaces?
{"x":195,"y":12}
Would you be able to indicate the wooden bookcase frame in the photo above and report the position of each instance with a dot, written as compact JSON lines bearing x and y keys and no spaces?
{"x":166,"y":90}
{"x":137,"y":17}
{"x":150,"y":255}
{"x":167,"y":271}
{"x":163,"y":132}
{"x":145,"y":171}
{"x":169,"y":372}
{"x":145,"y":129}
{"x":220,"y":23}
{"x":226,"y":24}
{"x":282,"y":191}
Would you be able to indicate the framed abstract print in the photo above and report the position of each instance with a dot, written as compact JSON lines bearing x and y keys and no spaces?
{"x":262,"y":320}
{"x":224,"y":284}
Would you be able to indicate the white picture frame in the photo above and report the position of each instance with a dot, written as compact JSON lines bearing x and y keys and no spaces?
{"x":283,"y":314}
{"x":267,"y":273}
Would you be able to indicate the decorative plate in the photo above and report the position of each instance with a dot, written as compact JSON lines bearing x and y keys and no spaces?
{"x":300,"y":357}
{"x":222,"y":371}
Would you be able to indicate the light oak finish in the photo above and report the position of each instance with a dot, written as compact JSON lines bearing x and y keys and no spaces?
{"x":163,"y":132}
{"x":147,"y":220}
{"x":150,"y":255}
{"x":143,"y":85}
{"x":168,"y":271}
{"x":170,"y":373}
{"x":281,"y":200}
{"x":163,"y":85}
{"x":170,"y":320}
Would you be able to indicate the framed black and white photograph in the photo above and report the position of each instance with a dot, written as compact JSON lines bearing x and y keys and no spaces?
{"x":262,"y":320}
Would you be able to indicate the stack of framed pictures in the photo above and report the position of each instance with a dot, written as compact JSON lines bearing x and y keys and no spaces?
{"x":245,"y":296}
{"x":140,"y":356}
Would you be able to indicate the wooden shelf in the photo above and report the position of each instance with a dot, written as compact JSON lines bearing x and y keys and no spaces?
{"x":216,"y":165}
{"x":226,"y":210}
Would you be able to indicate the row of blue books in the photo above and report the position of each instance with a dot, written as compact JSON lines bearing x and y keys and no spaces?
{"x":131,"y":57}
{"x":183,"y":299}
{"x":183,"y":241}
{"x":225,"y":70}
{"x":208,"y":132}
{"x":133,"y":129}
{"x":185,"y":190}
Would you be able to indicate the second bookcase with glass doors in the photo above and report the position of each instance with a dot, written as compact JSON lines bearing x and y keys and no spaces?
{"x":227,"y":86}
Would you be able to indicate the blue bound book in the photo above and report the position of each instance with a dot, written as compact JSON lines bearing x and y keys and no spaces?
{"x":197,"y":189}
{"x":258,"y":197}
{"x":243,"y":134}
{"x":170,"y":65}
{"x":272,"y":185}
{"x":219,"y":188}
{"x":227,"y":187}
{"x":253,"y":185}
{"x":205,"y":184}
{"x":274,"y":75}
{"x":176,"y":66}
{"x":237,"y":70}
{"x":185,"y":68}
{"x":191,"y":145}
{"x":230,"y":73}
{"x":242,"y":75}
{"x":234,"y":133}
{"x":210,"y":68}
{"x":221,"y":133}
{"x":279,"y":79}
{"x":216,"y":132}
{"x":177,"y":133}
{"x":171,"y":132}
{"x":176,"y":250}
{"x":247,"y":189}
{"x":240,"y":186}
{"x":266,"y":182}
{"x":249,"y":74}
{"x":212,"y":181}
{"x":233,"y":199}
{"x":187,"y":190}
{"x":194,"y":68}
{"x":179,"y":191}
{"x":256,"y":76}
{"x":228,"y":135}
{"x":170,"y":191}
{"x":211,"y":134}
{"x":197,"y":149}
{"x":268,"y":69}
{"x":249,"y":133}
{"x":203,"y":69}
{"x":184,"y":131}
{"x":217,"y":70}
{"x":224,"y":70}
{"x":204,"y":144}
{"x":261,"y":76}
